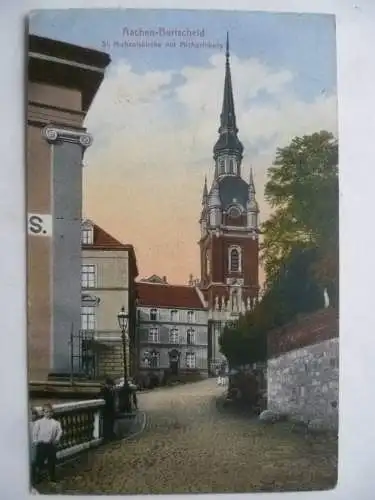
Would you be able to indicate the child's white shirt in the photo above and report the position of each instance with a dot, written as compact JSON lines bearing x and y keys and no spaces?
{"x":47,"y":430}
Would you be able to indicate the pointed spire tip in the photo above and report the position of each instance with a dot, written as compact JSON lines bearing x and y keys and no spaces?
{"x":251,"y":176}
{"x":227,"y":46}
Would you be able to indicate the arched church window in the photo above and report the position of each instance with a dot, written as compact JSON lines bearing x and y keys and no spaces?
{"x":234,"y":264}
{"x":231,"y":166}
{"x":221,"y":166}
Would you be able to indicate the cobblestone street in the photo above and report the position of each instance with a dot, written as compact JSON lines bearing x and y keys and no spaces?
{"x":189,"y":446}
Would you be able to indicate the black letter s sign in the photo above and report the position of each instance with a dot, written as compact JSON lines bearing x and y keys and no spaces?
{"x":35,"y":224}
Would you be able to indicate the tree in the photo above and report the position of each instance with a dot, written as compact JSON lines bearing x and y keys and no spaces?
{"x":300,"y":244}
{"x":294,"y":291}
{"x":303,"y":191}
{"x":243,"y":344}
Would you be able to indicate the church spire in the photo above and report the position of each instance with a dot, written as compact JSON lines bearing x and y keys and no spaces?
{"x":252,"y":204}
{"x":228,"y":116}
{"x":228,"y":140}
{"x":205,"y":191}
{"x":251,"y":182}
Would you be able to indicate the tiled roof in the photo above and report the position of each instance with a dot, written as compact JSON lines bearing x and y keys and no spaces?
{"x":163,"y":295}
{"x":104,"y":241}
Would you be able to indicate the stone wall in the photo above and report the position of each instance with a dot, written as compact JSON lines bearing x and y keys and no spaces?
{"x":110,"y":360}
{"x":303,"y":369}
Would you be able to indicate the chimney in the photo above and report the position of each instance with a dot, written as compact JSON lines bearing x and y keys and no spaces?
{"x":164,"y":279}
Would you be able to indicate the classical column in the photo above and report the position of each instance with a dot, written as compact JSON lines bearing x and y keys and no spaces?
{"x":67,"y":150}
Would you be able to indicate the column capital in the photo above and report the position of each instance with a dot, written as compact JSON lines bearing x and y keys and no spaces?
{"x":56,"y":134}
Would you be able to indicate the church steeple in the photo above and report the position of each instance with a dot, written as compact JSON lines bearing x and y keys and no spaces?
{"x":252,"y":205}
{"x":228,"y":141}
{"x":205,"y":192}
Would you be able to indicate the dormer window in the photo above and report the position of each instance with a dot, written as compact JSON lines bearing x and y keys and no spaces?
{"x":87,"y":235}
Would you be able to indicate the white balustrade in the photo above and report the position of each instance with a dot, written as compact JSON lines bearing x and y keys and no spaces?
{"x":81,"y":423}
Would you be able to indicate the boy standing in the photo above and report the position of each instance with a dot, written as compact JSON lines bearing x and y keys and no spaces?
{"x":47,"y":433}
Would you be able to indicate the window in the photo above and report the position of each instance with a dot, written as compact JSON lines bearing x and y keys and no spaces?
{"x":221,"y":166}
{"x":231,"y":166}
{"x":155,"y":359}
{"x":153,"y":335}
{"x":190,"y":360}
{"x":146,"y":359}
{"x":234,"y":259}
{"x":190,"y":337}
{"x":87,"y":236}
{"x":88,"y":276}
{"x":173,"y":336}
{"x":190,"y":316}
{"x":88,"y":318}
{"x":174,"y":316}
{"x":153,"y":314}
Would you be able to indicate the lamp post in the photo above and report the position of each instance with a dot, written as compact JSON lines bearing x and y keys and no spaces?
{"x":124,"y":395}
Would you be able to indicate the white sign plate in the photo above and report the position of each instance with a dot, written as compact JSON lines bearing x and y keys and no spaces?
{"x":39,"y":224}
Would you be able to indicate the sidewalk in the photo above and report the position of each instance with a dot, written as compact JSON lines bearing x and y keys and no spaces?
{"x":130,"y":425}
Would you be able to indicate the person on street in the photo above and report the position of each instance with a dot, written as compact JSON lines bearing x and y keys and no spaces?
{"x":47,"y":433}
{"x":133,"y":389}
{"x":107,"y":393}
{"x":33,"y":417}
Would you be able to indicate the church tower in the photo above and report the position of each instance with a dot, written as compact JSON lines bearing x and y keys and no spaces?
{"x":229,"y":223}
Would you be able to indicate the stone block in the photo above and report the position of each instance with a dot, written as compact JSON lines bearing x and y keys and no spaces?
{"x":268,"y":416}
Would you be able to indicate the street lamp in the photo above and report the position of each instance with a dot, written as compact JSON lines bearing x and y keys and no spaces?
{"x":124,"y":396}
{"x":123,"y":321}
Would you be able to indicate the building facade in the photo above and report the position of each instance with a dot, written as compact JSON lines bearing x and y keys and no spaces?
{"x":62,"y":82}
{"x":172,"y":329}
{"x":108,"y":273}
{"x":229,"y":229}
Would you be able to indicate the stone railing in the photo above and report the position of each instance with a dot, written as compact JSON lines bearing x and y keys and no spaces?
{"x":81,"y":423}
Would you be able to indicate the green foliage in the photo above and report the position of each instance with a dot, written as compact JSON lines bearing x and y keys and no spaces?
{"x":303,"y":191}
{"x":293,"y":291}
{"x":299,"y":247}
{"x":243,"y":343}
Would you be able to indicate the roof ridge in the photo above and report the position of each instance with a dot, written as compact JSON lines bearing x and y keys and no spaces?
{"x":164,"y":284}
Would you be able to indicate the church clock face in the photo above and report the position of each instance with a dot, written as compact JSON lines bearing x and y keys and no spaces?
{"x":234,"y":212}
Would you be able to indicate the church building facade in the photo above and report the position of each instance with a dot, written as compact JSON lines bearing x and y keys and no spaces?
{"x":228,"y":244}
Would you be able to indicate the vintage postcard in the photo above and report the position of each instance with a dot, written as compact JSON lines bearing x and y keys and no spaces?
{"x":182,"y":217}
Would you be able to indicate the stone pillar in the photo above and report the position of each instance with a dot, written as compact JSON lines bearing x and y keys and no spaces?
{"x":67,"y":150}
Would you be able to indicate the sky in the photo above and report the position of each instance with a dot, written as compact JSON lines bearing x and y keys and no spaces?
{"x":156,"y":115}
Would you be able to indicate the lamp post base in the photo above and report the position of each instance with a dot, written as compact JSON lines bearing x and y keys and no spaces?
{"x":124,"y":400}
